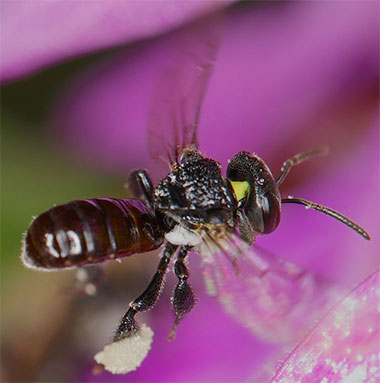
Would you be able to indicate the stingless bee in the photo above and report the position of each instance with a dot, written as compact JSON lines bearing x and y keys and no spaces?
{"x":195,"y":208}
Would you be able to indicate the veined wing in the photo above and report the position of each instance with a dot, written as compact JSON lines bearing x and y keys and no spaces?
{"x":179,"y":90}
{"x":275,"y":299}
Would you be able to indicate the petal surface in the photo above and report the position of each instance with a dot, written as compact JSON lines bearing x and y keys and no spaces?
{"x":344,"y":347}
{"x":41,"y":33}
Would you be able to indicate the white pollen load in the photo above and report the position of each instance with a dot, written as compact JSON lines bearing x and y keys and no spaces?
{"x":182,"y":236}
{"x":126,"y":354}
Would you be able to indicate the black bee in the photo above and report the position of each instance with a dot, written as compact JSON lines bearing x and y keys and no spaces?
{"x":194,"y":208}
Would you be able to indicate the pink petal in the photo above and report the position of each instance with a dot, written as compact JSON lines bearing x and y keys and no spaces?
{"x":271,"y":87}
{"x":40,"y":33}
{"x":344,"y":347}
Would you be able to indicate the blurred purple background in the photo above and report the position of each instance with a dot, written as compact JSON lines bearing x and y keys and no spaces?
{"x":288,"y":77}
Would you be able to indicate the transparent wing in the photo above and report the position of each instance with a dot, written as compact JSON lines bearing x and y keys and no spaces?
{"x":178,"y":93}
{"x":275,"y":299}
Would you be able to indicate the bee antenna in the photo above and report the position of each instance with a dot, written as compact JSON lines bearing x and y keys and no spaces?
{"x":330,"y":212}
{"x":298,"y":159}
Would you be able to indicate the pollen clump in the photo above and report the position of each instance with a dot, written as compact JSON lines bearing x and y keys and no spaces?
{"x":127,"y":354}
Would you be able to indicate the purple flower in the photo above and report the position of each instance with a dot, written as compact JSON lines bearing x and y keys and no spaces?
{"x":40,"y":33}
{"x":344,"y":347}
{"x":288,"y":77}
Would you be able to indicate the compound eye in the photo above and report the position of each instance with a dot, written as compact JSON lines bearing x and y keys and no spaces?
{"x":270,"y":207}
{"x":256,"y":191}
{"x":262,"y":211}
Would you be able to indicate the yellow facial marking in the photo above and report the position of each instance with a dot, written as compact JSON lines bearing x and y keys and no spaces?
{"x":241,"y":189}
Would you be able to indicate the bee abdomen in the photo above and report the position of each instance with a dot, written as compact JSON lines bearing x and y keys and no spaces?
{"x":84,"y":232}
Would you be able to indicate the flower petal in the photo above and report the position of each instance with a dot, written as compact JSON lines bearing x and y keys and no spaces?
{"x":270,"y":86}
{"x":344,"y":347}
{"x":40,"y":33}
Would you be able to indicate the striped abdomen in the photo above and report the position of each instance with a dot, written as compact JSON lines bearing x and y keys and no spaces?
{"x":89,"y":231}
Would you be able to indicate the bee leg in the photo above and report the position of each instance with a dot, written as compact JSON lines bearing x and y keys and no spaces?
{"x":183,"y":298}
{"x":141,"y":185}
{"x":128,"y":325}
{"x":296,"y":160}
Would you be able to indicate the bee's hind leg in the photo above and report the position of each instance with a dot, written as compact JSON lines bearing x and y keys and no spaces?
{"x":183,"y":299}
{"x":128,"y":325}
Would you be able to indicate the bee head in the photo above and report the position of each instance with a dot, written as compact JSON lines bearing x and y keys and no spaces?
{"x":256,"y":191}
